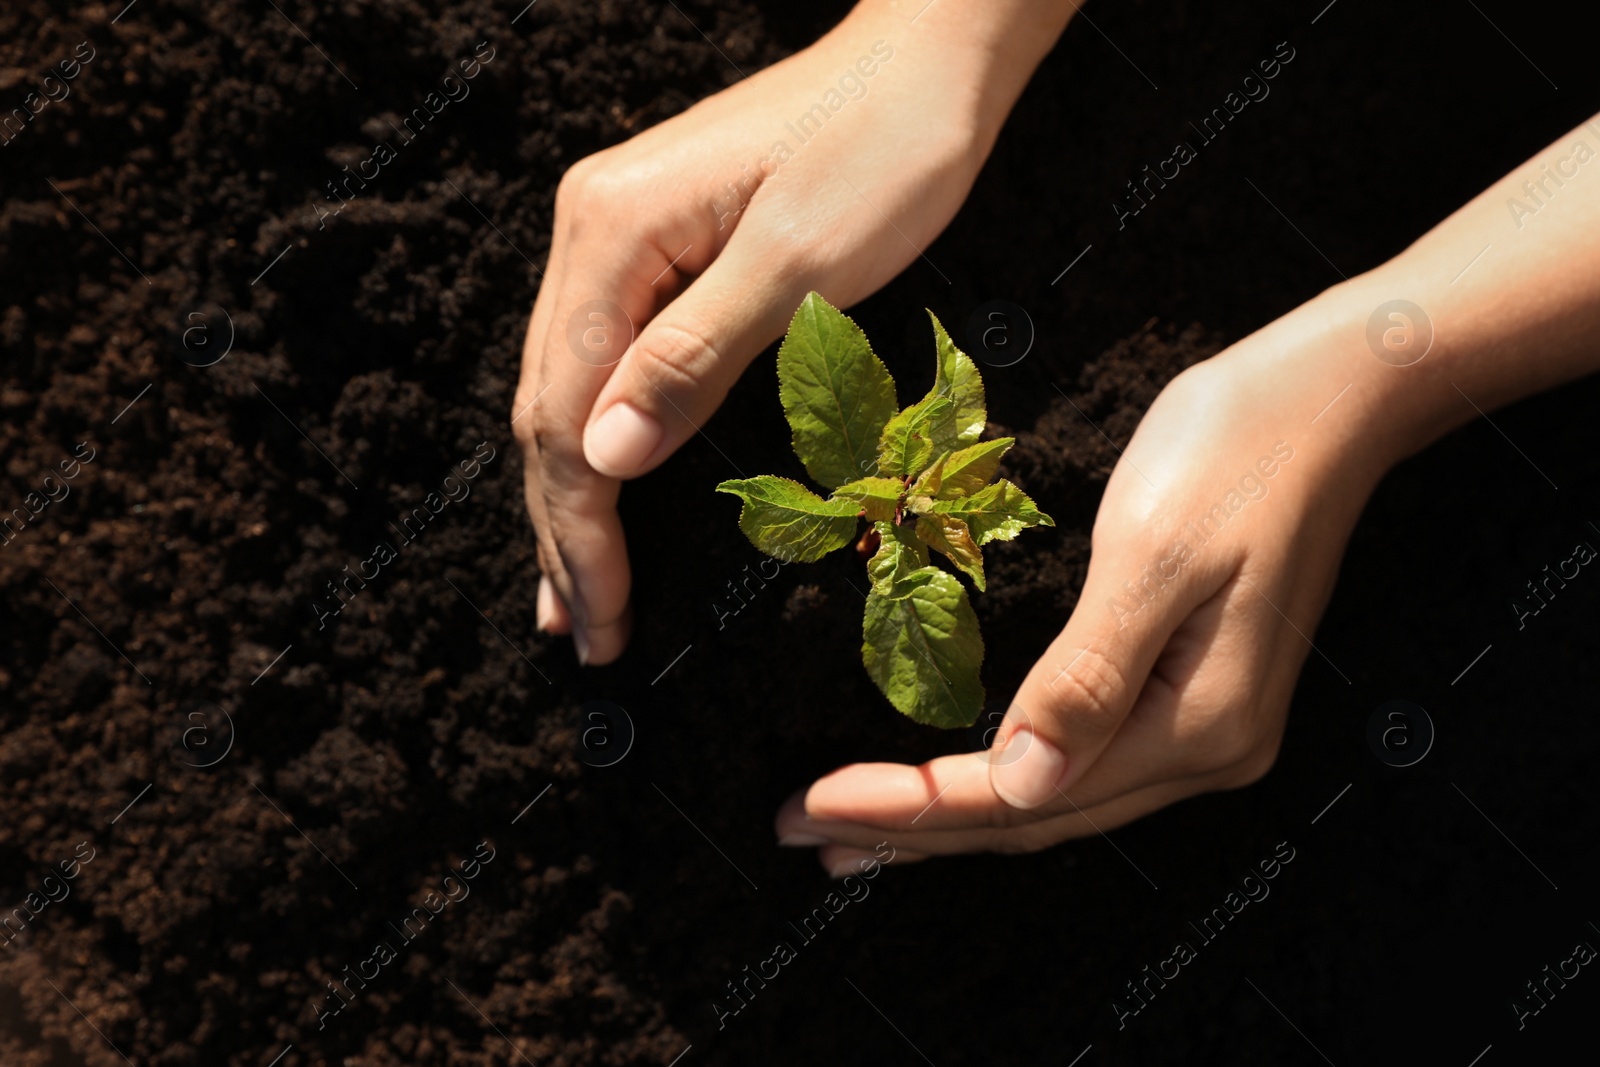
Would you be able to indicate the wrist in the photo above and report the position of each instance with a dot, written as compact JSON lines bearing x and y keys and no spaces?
{"x":1418,"y":355}
{"x":1392,"y":356}
{"x":976,"y":58}
{"x":1314,"y":379}
{"x":1378,"y":379}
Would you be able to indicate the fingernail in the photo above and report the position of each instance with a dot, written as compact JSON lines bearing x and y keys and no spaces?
{"x":798,"y":840}
{"x":620,"y":441}
{"x":1032,"y":778}
{"x":580,"y":640}
{"x":544,"y":611}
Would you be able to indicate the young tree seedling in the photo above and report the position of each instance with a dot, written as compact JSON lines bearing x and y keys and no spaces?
{"x":919,"y":476}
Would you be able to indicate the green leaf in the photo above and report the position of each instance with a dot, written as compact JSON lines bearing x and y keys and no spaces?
{"x":956,"y":378}
{"x":972,"y":468}
{"x":907,"y":445}
{"x":836,"y":394}
{"x":900,"y":564}
{"x":950,"y":535}
{"x":929,"y":481}
{"x":878,"y":497}
{"x":996,"y":513}
{"x":924,"y":651}
{"x":785,"y":519}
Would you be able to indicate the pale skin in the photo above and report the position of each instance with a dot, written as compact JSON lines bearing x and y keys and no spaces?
{"x":1125,"y":711}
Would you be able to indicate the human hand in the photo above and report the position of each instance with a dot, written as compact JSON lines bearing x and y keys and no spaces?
{"x":827,"y":171}
{"x":1214,"y":552}
{"x":1185,"y":690}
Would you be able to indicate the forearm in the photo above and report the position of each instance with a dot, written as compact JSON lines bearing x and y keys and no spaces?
{"x":1510,"y":287}
{"x":1524,"y":316}
{"x":984,"y":50}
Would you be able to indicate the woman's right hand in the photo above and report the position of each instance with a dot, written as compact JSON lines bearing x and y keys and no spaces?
{"x":677,"y":256}
{"x":1173,"y":675}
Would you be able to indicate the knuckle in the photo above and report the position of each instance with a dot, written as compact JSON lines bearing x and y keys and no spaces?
{"x":578,"y":184}
{"x":1217,"y":737}
{"x":1239,"y":747}
{"x":524,"y":423}
{"x":1220,"y":742}
{"x":576,"y":498}
{"x":1234,"y":737}
{"x":677,"y":358}
{"x":551,"y":565}
{"x":1196,"y":388}
{"x":1090,"y":693}
{"x":1253,"y":767}
{"x":593,"y":183}
{"x":1135,"y":525}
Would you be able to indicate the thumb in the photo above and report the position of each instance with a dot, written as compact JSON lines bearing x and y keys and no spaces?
{"x":681,"y":366}
{"x":1080,"y":692}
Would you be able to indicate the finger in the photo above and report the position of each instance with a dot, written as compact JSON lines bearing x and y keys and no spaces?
{"x":550,"y":613}
{"x":950,"y":792}
{"x":594,"y":577}
{"x":954,"y":793}
{"x":602,"y":294}
{"x":1208,"y":702}
{"x":1182,"y":729}
{"x":545,"y":437}
{"x":683,"y":363}
{"x":1079,"y":694}
{"x":846,"y":839}
{"x":597,"y":287}
{"x":1190,"y":718}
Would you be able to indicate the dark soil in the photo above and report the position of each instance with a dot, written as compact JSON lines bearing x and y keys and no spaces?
{"x":370,"y":757}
